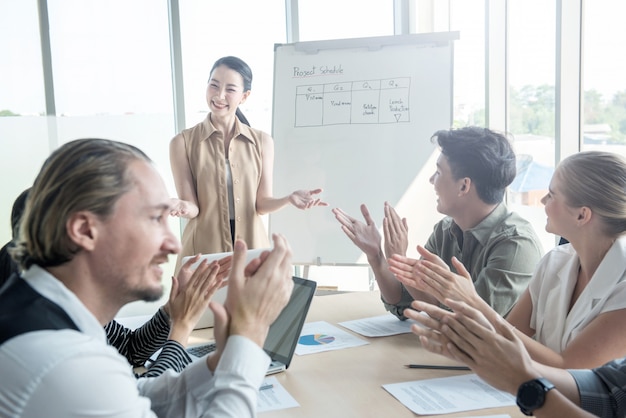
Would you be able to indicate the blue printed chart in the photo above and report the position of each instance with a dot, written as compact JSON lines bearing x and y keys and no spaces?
{"x":316,"y":339}
{"x":322,"y":336}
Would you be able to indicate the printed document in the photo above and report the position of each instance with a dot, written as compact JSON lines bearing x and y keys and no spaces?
{"x":379,"y":326}
{"x":447,"y":395}
{"x":273,"y":396}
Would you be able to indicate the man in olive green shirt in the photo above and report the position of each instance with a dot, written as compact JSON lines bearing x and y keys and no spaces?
{"x":498,"y":247}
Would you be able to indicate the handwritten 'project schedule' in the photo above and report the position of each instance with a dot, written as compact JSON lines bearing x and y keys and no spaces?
{"x":353,"y":102}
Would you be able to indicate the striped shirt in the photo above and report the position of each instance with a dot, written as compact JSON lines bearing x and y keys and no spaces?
{"x":138,"y":345}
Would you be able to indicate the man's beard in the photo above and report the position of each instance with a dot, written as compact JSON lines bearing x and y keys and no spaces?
{"x":149,"y":295}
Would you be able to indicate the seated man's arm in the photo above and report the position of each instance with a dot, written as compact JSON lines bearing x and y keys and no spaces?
{"x":603,"y":390}
{"x":230,"y":391}
{"x":410,"y":293}
{"x":364,"y":234}
{"x":492,"y":281}
{"x":557,"y":404}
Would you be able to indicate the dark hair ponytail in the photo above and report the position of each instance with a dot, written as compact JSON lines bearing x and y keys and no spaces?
{"x":242,"y":118}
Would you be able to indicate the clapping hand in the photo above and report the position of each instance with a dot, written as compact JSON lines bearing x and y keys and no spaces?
{"x":364,"y":235}
{"x":396,"y":232}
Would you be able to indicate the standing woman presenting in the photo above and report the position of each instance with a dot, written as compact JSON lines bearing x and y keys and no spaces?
{"x":223,"y":170}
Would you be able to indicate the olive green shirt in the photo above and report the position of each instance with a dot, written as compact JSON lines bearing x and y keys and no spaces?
{"x":500,"y":253}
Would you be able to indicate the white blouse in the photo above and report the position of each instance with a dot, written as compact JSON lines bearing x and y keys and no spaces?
{"x":551,"y":291}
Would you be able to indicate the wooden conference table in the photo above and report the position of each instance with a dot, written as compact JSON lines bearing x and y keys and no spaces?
{"x":348,"y":382}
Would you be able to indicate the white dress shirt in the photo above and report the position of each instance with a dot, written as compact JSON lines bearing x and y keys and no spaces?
{"x":65,"y":373}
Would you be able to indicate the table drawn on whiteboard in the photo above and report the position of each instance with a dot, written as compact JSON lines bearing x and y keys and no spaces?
{"x":353,"y":102}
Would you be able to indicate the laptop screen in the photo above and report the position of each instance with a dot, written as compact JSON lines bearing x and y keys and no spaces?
{"x":284,"y":333}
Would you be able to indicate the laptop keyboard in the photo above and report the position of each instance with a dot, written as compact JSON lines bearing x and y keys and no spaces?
{"x":201,"y":350}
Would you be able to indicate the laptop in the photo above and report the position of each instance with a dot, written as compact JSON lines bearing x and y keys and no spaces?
{"x":284,"y":333}
{"x":207,"y":320}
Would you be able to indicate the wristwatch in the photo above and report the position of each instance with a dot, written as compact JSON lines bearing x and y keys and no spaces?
{"x":532,"y":394}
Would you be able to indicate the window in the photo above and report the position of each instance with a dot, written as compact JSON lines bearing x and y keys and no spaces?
{"x":23,"y":128}
{"x":331,"y":19}
{"x":112,"y":75}
{"x":468,"y":17}
{"x":105,"y":62}
{"x":531,"y":106}
{"x":21,"y":85}
{"x":604,"y":85}
{"x":246,"y":29}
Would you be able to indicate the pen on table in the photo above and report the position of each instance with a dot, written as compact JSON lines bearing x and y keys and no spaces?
{"x":264,"y":387}
{"x":434,"y":367}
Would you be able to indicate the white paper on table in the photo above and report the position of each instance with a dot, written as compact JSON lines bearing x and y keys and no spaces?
{"x":321,"y":336}
{"x":379,"y":326}
{"x":274,"y":398}
{"x":449,"y":394}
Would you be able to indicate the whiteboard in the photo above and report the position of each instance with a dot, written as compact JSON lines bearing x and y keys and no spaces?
{"x":354,"y":117}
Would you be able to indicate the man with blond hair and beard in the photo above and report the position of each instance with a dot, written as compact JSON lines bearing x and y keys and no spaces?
{"x":93,"y":238}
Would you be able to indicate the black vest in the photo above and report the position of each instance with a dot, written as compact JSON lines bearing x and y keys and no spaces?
{"x":23,"y":310}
